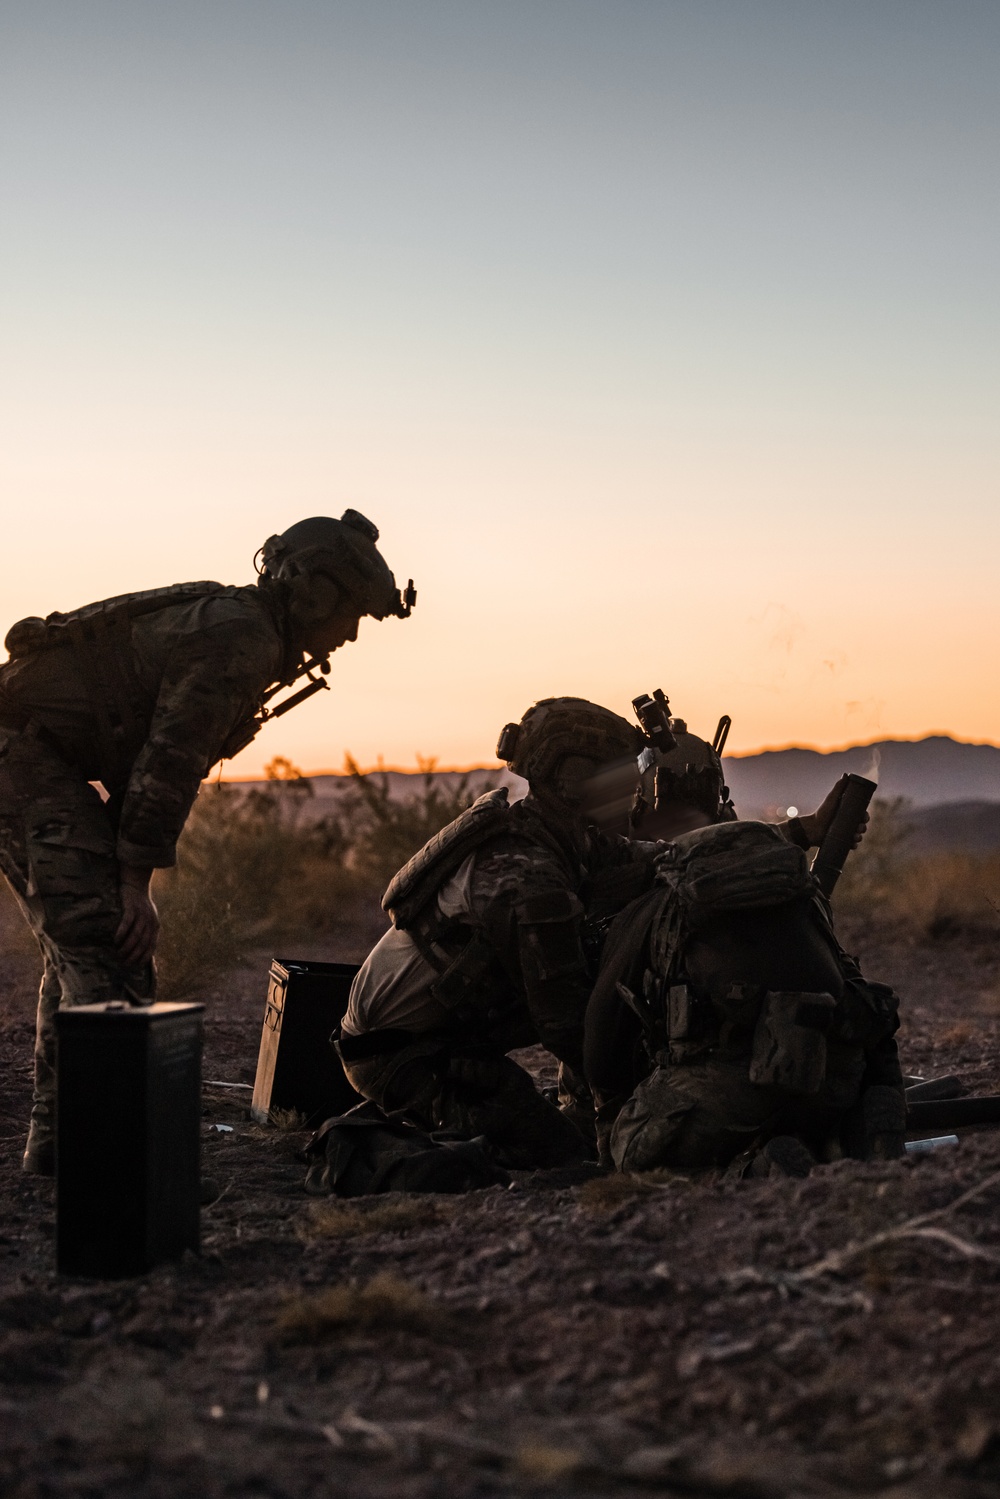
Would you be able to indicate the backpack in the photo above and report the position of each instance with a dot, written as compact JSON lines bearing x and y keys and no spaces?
{"x":738,"y":953}
{"x":365,"y":1152}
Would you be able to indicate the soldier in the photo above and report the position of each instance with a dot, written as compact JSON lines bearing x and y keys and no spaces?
{"x":486,"y":951}
{"x":144,"y":693}
{"x":727,"y":1023}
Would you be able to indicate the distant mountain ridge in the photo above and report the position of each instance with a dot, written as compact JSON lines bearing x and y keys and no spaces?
{"x":928,"y":772}
{"x":952,"y":788}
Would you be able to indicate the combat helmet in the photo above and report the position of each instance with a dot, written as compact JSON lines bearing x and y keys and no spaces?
{"x":562,"y":741}
{"x":690,"y":772}
{"x":343,"y":551}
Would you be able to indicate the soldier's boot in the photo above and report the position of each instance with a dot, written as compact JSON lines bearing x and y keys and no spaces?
{"x":40,"y":1152}
{"x":884,"y":1115}
{"x":785,"y":1155}
{"x":607,"y":1108}
{"x":576,"y":1103}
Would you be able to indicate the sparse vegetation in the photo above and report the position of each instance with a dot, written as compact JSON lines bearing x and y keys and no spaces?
{"x":606,"y":1194}
{"x":258,"y":865}
{"x":349,"y":1220}
{"x":385,"y":1304}
{"x":885,"y":887}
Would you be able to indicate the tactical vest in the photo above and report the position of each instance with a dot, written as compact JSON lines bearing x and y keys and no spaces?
{"x":100,"y":637}
{"x":412,"y":889}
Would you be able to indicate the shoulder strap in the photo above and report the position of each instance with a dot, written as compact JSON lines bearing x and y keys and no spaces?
{"x":420,"y":879}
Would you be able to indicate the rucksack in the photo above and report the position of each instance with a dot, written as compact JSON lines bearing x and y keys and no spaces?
{"x":739,"y":952}
{"x":365,"y":1152}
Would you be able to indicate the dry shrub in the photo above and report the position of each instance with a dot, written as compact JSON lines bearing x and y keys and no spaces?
{"x":604,"y":1194}
{"x":927,"y":896}
{"x":548,"y":1465}
{"x":381,"y":832}
{"x":288,"y":1120}
{"x":385,"y":1304}
{"x":258,"y":865}
{"x":348,"y":1220}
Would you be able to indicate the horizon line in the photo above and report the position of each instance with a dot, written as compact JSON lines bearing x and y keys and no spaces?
{"x":499,"y":765}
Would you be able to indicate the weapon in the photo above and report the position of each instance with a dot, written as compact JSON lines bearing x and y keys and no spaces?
{"x":316,"y":684}
{"x":838,"y":840}
{"x":952,"y":1113}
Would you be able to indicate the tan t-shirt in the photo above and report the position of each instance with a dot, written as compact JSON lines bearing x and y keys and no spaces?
{"x":392,"y":988}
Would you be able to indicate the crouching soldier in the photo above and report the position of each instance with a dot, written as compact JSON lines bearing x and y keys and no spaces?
{"x":727,"y":1023}
{"x":144,"y":693}
{"x":486,"y":952}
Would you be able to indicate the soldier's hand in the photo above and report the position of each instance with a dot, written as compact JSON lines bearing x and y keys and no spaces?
{"x":140,"y":924}
{"x":815,"y":824}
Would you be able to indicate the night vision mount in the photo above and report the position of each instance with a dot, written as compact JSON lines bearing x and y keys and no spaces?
{"x":653,"y":713}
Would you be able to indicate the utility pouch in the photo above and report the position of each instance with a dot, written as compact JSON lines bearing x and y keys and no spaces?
{"x":691,"y":1030}
{"x":789,"y":1044}
{"x":866,"y":1013}
{"x":679,"y":1012}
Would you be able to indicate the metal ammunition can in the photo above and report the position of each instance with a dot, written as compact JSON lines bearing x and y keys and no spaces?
{"x":128,"y":1116}
{"x":297,"y":1067}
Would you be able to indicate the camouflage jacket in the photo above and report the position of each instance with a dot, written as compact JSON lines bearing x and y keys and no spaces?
{"x":518,"y":950}
{"x":196,"y":671}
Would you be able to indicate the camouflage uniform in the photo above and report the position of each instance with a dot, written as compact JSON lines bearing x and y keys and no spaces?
{"x":190,"y":678}
{"x":757,"y":1025}
{"x":508,"y":969}
{"x":143,"y":694}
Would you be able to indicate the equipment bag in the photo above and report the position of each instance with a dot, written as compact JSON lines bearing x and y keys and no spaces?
{"x":365,"y":1152}
{"x":727,"y":867}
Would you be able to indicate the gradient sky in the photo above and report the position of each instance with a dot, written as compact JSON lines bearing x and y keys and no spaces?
{"x":660,"y":339}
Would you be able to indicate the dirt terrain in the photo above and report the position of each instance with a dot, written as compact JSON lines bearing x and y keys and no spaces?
{"x":585,"y":1335}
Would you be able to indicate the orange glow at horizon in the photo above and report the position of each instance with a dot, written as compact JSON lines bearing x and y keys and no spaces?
{"x":604,"y":315}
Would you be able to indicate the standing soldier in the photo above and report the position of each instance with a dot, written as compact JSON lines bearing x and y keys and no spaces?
{"x":144,"y":693}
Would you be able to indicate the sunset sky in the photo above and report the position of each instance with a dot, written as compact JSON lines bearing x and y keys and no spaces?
{"x":660,"y":339}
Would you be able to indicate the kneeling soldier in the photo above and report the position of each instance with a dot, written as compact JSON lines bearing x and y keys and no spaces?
{"x":486,"y":952}
{"x":727,"y":1022}
{"x":144,"y":693}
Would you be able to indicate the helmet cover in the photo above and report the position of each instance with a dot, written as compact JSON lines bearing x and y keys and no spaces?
{"x":345,"y":552}
{"x":562,"y":741}
{"x":690,"y":773}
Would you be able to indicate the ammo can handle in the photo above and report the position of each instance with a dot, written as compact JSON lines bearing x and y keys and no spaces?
{"x":838,"y":841}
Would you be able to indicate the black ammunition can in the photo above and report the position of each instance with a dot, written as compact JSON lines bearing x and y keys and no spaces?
{"x":128,"y":1119}
{"x":297,"y":1067}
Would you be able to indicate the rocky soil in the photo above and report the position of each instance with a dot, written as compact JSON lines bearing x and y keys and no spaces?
{"x":607,"y":1336}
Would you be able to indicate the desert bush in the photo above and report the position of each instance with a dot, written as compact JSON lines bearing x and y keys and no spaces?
{"x":379,"y":832}
{"x":871,"y":874}
{"x":257,"y":865}
{"x":885,"y":887}
{"x":348,"y":1220}
{"x":385,"y":1304}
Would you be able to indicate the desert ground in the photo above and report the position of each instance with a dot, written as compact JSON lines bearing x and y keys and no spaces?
{"x":572,"y":1333}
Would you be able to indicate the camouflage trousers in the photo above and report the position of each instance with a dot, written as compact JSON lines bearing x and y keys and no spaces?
{"x":57,"y":850}
{"x":442,"y":1083}
{"x":702,"y":1116}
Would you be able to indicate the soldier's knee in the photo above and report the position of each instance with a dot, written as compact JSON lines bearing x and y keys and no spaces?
{"x":646,"y":1134}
